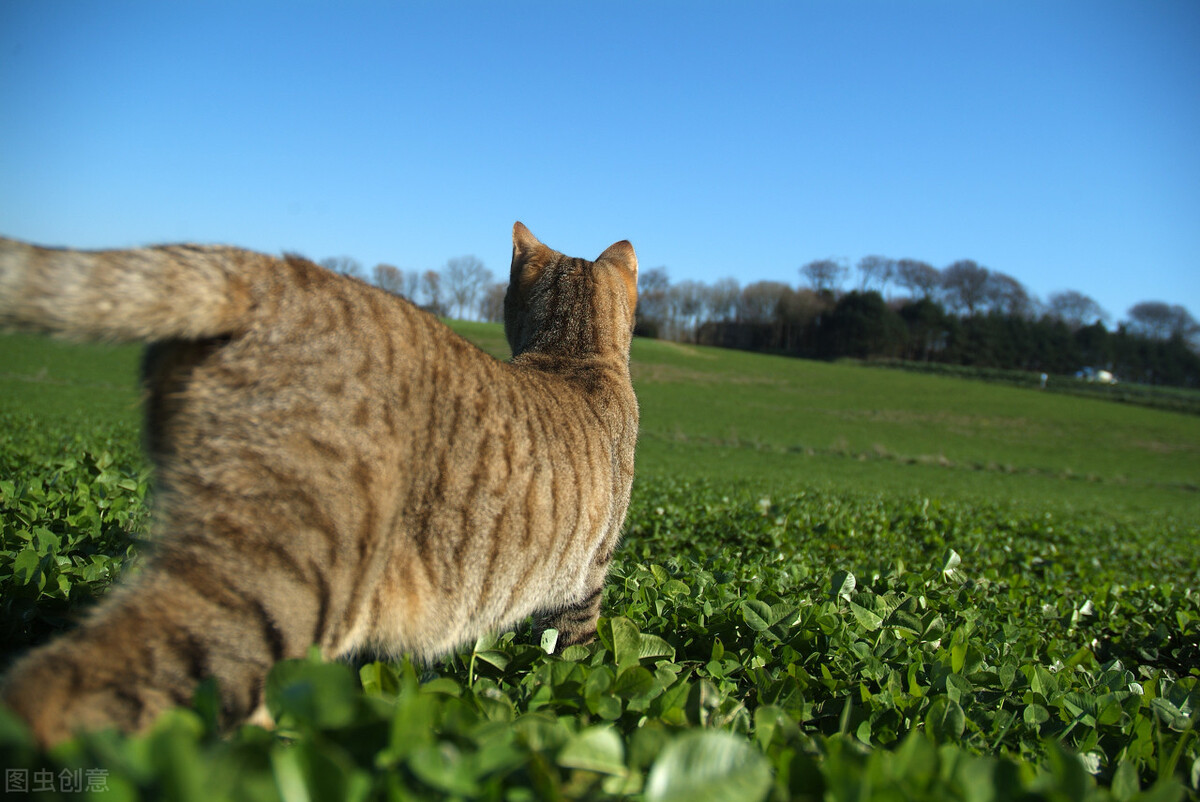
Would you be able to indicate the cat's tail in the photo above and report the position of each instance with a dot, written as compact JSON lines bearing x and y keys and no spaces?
{"x":147,"y":294}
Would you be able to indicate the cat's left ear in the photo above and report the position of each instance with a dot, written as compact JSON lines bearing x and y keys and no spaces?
{"x":526,"y":249}
{"x":620,"y":254}
{"x":524,"y":243}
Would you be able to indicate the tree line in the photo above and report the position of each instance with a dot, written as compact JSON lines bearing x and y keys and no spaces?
{"x":963,"y":314}
{"x":464,"y":288}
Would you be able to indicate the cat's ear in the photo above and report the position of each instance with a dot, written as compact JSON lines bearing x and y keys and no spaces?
{"x":621,"y":254}
{"x":526,"y":263}
{"x":524,"y":243}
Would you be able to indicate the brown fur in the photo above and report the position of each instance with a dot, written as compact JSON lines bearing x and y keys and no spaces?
{"x":336,"y":467}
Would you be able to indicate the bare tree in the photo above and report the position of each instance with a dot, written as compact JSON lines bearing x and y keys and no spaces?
{"x":346,"y":265}
{"x":491,"y":306}
{"x":685,"y":300}
{"x":875,"y":270}
{"x":824,"y":275}
{"x":1163,"y":321}
{"x":465,"y":278}
{"x":919,"y":278}
{"x":431,"y":286}
{"x":1005,"y":294}
{"x":411,"y":285}
{"x":720,"y":300}
{"x":965,"y":286}
{"x":759,"y":302}
{"x":801,"y":307}
{"x":389,"y":277}
{"x":652,"y":306}
{"x":1075,"y":309}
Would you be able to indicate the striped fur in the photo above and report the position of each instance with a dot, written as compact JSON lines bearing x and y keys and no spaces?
{"x":335,"y":466}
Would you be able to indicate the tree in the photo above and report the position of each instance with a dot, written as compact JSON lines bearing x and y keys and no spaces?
{"x":929,"y":328}
{"x":411,"y":285}
{"x":431,"y":286}
{"x":346,"y":265}
{"x":824,"y":275}
{"x":965,"y":286}
{"x":920,"y":278}
{"x":651,"y":313}
{"x":800,"y":313}
{"x":720,"y":300}
{"x":875,"y":270}
{"x":389,"y":277}
{"x":1005,"y":294}
{"x":1075,"y":309}
{"x":491,"y":307}
{"x":1160,"y":321}
{"x":759,"y":302}
{"x":861,"y":325}
{"x":685,"y":302}
{"x":465,"y":277}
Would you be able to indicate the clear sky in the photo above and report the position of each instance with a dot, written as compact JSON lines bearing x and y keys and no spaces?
{"x":1058,"y":142}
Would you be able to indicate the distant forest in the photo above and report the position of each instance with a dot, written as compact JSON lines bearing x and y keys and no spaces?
{"x":964,"y":314}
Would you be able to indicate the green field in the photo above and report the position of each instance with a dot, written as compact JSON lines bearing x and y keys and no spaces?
{"x":837,"y":582}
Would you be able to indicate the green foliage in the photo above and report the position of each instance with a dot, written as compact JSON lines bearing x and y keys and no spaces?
{"x":68,"y":503}
{"x":860,"y":325}
{"x":1172,"y":399}
{"x":806,"y":646}
{"x":763,"y":639}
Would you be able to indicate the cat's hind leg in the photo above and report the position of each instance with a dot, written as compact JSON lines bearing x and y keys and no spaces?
{"x":147,"y":647}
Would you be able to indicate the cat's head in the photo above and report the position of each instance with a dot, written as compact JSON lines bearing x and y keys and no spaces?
{"x":560,"y":305}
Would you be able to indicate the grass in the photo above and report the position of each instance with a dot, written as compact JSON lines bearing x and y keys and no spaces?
{"x":61,"y":379}
{"x":836,"y":583}
{"x":713,"y":413}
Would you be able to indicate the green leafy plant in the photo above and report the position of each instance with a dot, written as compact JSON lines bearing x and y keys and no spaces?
{"x":761,"y":640}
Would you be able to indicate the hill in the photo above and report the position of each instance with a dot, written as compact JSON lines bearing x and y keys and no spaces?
{"x":786,"y":423}
{"x":836,"y":583}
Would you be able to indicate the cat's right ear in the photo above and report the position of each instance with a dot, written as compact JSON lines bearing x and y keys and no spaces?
{"x":524,"y":243}
{"x":621,"y":255}
{"x":525,"y":247}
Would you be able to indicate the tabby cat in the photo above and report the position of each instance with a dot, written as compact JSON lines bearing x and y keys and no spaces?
{"x":336,"y":467}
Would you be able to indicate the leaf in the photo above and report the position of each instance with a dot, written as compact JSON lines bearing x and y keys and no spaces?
{"x":654,"y":646}
{"x":675,"y":587}
{"x":312,"y":693}
{"x":705,"y":765}
{"x":627,"y":642}
{"x":443,"y":767}
{"x":1125,"y":785}
{"x":768,"y":719}
{"x":958,"y":688}
{"x":631,"y":646}
{"x":1169,"y":714}
{"x":868,"y":619}
{"x":26,"y":566}
{"x":757,"y":615}
{"x":494,"y":657}
{"x":1036,"y":715}
{"x":950,"y":561}
{"x":842,"y":584}
{"x":945,"y":720}
{"x":597,"y":749}
{"x":636,"y":684}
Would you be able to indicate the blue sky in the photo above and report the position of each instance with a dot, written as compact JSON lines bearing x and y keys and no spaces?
{"x":1058,"y":142}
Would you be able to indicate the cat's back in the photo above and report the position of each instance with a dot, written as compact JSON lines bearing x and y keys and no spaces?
{"x":330,"y":398}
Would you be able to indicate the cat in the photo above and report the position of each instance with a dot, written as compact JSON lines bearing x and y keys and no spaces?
{"x":334,"y":466}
